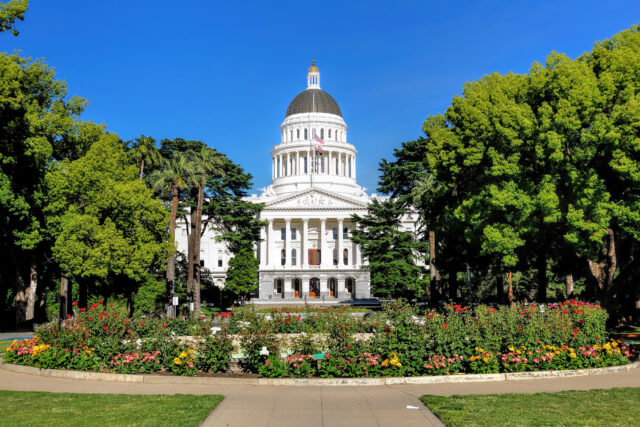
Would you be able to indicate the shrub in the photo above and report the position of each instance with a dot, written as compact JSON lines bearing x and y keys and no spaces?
{"x":215,"y":352}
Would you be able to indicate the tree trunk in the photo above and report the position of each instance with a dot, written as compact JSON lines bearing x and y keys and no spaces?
{"x":171,"y":263}
{"x":569,"y":287}
{"x":434,"y":274}
{"x":31,"y":290}
{"x":542,"y":277}
{"x":604,"y":270}
{"x":65,"y":297}
{"x":191,"y":253}
{"x":509,"y":289}
{"x":196,"y":249}
{"x":141,"y":168}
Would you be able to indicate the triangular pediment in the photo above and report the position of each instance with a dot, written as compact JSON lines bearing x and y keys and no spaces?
{"x":315,"y":198}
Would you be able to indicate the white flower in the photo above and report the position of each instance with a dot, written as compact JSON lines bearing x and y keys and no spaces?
{"x":264,"y":351}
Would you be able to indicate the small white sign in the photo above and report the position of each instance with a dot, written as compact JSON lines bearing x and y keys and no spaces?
{"x":175,"y":300}
{"x":190,"y":306}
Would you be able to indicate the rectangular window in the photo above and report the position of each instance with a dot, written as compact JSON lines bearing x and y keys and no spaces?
{"x":321,"y":164}
{"x":337,"y":167}
{"x":321,"y":133}
{"x":349,"y":169}
{"x":345,"y":233}
{"x":329,"y":133}
{"x":293,"y":233}
{"x":283,"y":233}
{"x":335,"y":233}
{"x":305,"y":164}
{"x":293,"y":257}
{"x":219,"y":262}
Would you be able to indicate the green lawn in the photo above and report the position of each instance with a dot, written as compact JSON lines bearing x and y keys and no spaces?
{"x":41,"y":408}
{"x":618,"y":406}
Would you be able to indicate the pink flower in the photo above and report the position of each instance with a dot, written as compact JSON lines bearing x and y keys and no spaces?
{"x":267,"y":363}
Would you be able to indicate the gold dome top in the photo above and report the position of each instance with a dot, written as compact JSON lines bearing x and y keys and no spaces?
{"x":313,"y":67}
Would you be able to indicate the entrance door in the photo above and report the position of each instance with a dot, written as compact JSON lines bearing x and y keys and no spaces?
{"x":314,"y":288}
{"x":296,"y":288}
{"x":351,"y":287}
{"x":332,"y":288}
{"x":314,"y":257}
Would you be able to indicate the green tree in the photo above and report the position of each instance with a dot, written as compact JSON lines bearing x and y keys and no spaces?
{"x":108,"y":225}
{"x":174,"y":177}
{"x":10,"y":12}
{"x":392,"y":253}
{"x":242,"y":272}
{"x":39,"y":124}
{"x":143,"y":151}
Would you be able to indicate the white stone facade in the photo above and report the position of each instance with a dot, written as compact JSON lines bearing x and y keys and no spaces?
{"x":306,"y":253}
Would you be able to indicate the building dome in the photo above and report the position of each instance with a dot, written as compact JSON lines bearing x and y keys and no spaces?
{"x":313,"y":101}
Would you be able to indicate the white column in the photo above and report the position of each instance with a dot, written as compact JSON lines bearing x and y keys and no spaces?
{"x":308,"y":162}
{"x":270,"y":243}
{"x":353,"y":168}
{"x":263,"y":247}
{"x":289,"y":164}
{"x":339,"y":247}
{"x":287,"y":246}
{"x":273,"y":168}
{"x":324,"y":254}
{"x":358,"y":257}
{"x":304,"y":261}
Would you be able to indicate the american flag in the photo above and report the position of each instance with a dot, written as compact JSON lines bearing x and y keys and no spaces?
{"x":319,"y":148}
{"x":320,"y":140}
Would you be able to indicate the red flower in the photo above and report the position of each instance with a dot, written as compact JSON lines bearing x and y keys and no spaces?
{"x":83,"y":309}
{"x":491,"y":310}
{"x":298,"y":319}
{"x":519,"y":328}
{"x":430,"y":316}
{"x":395,"y":307}
{"x":126,"y":321}
{"x":141,"y":323}
{"x":110,"y":304}
{"x":164,"y":325}
{"x":68,"y":316}
{"x":88,"y":331}
{"x":444,"y":326}
{"x":74,"y":303}
{"x":106,"y":327}
{"x":348,"y":347}
{"x":99,"y":301}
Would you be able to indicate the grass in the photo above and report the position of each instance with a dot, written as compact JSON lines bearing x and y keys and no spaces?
{"x":4,"y":344}
{"x":73,"y":409}
{"x":618,"y":406}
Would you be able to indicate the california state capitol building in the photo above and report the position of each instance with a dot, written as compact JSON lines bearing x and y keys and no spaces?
{"x":306,"y":253}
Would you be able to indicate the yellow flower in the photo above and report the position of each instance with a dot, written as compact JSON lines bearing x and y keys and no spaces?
{"x":190,"y":351}
{"x":183,"y":355}
{"x":385,"y":363}
{"x":485,"y":359}
{"x":606,"y":346}
{"x":177,"y":361}
{"x":511,"y":348}
{"x":572,"y":355}
{"x":393,"y":356}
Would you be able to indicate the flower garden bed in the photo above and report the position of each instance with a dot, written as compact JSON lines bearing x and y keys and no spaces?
{"x":397,"y":342}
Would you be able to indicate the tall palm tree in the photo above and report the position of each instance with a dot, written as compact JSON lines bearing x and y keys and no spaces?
{"x":175,"y":176}
{"x":425,"y":192}
{"x":208,"y":163}
{"x":144,"y":151}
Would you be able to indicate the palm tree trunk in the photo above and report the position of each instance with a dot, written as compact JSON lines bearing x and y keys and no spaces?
{"x":510,"y":288}
{"x":196,"y":250}
{"x":569,"y":289}
{"x":191,"y":253}
{"x":171,"y":266}
{"x":141,"y":168}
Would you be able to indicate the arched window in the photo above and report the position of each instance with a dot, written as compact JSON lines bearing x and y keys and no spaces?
{"x":293,"y":257}
{"x":298,"y":133}
{"x":283,"y":257}
{"x":329,"y":134}
{"x":306,"y":134}
{"x":345,"y":257}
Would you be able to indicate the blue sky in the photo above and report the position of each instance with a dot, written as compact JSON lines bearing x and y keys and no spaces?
{"x":223,"y":72}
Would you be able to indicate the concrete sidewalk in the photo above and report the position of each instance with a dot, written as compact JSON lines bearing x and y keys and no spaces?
{"x":250,"y":405}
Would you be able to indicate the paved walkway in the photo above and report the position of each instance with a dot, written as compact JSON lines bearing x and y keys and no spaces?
{"x":250,"y":405}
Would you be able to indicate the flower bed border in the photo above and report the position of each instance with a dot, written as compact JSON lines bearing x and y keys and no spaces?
{"x":434,"y":379}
